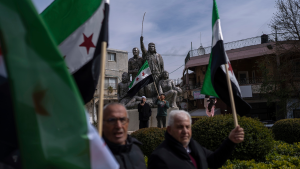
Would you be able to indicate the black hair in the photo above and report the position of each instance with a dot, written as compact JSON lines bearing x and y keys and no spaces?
{"x":211,"y":104}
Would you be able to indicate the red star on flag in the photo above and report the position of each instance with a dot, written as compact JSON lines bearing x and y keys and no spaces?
{"x":88,"y":43}
{"x":230,"y":68}
{"x":137,"y":79}
{"x":143,"y":74}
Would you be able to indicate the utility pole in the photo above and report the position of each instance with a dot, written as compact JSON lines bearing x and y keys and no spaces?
{"x":276,"y":50}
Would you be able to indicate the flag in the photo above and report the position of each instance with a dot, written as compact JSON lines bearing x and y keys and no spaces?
{"x":8,"y":139}
{"x":143,"y":78}
{"x":215,"y":83}
{"x":52,"y":126}
{"x":78,"y":28}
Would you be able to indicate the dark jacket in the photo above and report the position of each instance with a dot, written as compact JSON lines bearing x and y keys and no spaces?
{"x":144,"y":111}
{"x":172,"y":155}
{"x":128,"y":156}
{"x":162,"y":107}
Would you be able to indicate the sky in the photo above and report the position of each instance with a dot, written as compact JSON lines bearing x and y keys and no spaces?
{"x":173,"y":24}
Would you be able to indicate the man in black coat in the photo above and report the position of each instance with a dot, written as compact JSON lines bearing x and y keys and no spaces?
{"x":124,"y":147}
{"x":180,"y":151}
{"x":145,"y":112}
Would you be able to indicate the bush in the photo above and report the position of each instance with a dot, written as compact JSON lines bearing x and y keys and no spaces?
{"x":283,"y":155}
{"x":150,"y":137}
{"x":287,"y":130}
{"x":210,"y":132}
{"x":283,"y":148}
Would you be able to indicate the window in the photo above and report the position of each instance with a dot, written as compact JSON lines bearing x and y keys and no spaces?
{"x":110,"y":81}
{"x":253,"y":77}
{"x":243,"y":77}
{"x":111,"y":57}
{"x":296,"y":67}
{"x":296,"y":113}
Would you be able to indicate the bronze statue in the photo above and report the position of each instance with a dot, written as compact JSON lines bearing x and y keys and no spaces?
{"x":156,"y":65}
{"x":123,"y":88}
{"x":129,"y":103}
{"x":168,"y":87}
{"x":135,"y":63}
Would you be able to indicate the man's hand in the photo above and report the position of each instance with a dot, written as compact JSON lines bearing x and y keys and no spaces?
{"x":237,"y":135}
{"x":158,"y":97}
{"x":142,"y":38}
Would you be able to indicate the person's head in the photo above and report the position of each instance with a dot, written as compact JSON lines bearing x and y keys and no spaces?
{"x":162,"y":96}
{"x":115,"y":123}
{"x":165,"y":75}
{"x":151,"y":47}
{"x":211,"y":103}
{"x":144,"y":99}
{"x":179,"y":126}
{"x":135,"y":51}
{"x":125,"y":77}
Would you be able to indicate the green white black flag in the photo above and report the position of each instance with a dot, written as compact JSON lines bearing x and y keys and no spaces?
{"x":52,"y":127}
{"x":143,"y":78}
{"x":215,"y":83}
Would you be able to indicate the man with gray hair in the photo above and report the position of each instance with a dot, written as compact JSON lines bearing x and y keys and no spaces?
{"x":124,"y":147}
{"x":179,"y":150}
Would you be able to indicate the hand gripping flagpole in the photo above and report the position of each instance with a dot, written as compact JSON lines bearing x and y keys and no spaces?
{"x":101,"y":86}
{"x":231,"y":97}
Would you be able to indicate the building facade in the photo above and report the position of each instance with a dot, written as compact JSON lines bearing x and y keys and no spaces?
{"x":116,"y":63}
{"x":244,"y":60}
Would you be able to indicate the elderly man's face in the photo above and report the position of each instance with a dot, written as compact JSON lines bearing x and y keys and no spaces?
{"x":135,"y":51}
{"x":144,"y":100}
{"x":151,"y":47}
{"x":181,"y":129}
{"x":115,"y":124}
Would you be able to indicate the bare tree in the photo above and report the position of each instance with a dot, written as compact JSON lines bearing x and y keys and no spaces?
{"x":280,"y":70}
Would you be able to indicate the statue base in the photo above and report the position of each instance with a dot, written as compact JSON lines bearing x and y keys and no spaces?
{"x":134,"y":118}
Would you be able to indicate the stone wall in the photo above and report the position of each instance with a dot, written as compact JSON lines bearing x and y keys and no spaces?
{"x":134,"y":118}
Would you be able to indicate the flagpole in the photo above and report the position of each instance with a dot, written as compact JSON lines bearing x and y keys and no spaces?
{"x":101,"y":86}
{"x":231,"y":97}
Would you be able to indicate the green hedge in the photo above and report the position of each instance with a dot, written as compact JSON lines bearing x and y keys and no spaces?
{"x":287,"y":130}
{"x":210,"y":132}
{"x":150,"y":137}
{"x":282,"y":156}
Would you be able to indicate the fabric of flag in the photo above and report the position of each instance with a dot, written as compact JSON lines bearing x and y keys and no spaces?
{"x":79,"y":27}
{"x":143,"y":78}
{"x":8,"y":139}
{"x":215,"y":83}
{"x":52,"y":125}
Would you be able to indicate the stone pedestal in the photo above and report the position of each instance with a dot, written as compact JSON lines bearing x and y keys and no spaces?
{"x":134,"y":118}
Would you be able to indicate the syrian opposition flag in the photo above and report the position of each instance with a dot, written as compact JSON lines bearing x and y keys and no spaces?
{"x":215,"y":82}
{"x":8,"y":139}
{"x":52,"y":127}
{"x":79,"y":27}
{"x":143,"y":78}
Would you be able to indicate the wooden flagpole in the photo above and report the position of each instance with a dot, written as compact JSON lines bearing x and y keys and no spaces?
{"x":231,"y":97}
{"x":101,"y":86}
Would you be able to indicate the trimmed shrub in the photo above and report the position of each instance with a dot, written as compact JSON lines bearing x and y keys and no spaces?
{"x":150,"y":137}
{"x":283,"y":155}
{"x":287,"y":130}
{"x":210,"y":132}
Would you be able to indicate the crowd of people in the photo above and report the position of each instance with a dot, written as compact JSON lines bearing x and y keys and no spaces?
{"x":177,"y":151}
